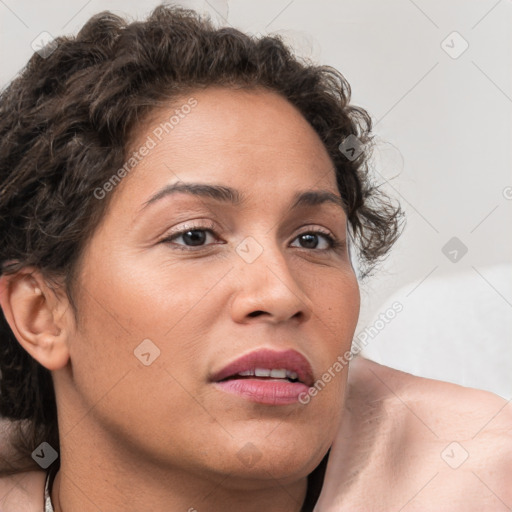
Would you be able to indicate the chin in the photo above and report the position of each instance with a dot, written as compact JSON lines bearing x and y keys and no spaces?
{"x":285,"y":453}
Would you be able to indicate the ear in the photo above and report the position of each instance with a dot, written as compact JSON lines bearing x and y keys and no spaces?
{"x":37,"y":315}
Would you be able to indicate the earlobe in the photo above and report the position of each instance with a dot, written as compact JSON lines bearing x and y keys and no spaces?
{"x":35,"y":315}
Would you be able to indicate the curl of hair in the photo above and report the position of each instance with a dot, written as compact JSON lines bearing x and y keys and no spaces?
{"x":66,"y":122}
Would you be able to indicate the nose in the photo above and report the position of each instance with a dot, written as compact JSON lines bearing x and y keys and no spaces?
{"x":269,"y":290}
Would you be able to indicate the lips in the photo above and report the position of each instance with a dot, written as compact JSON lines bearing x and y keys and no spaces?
{"x":255,"y":365}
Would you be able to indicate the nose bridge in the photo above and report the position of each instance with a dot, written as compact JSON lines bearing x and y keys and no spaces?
{"x":266,"y":283}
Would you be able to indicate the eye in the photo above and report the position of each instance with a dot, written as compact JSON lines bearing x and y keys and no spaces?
{"x":310,"y":240}
{"x":196,"y":236}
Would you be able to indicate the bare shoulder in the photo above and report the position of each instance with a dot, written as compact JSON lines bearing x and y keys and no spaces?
{"x":420,"y":444}
{"x":444,"y":408}
{"x":22,"y":492}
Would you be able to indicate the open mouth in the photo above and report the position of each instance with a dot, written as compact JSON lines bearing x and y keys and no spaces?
{"x":280,"y":374}
{"x":266,"y":376}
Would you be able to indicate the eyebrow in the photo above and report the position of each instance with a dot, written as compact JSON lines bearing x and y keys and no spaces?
{"x":230,"y":195}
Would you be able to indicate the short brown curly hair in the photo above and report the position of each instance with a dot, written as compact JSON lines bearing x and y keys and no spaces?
{"x":66,"y":123}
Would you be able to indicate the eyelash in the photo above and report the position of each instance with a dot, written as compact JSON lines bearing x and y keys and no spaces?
{"x":334,"y":243}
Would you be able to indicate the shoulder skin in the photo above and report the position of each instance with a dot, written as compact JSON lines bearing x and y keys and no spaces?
{"x":413,"y":444}
{"x":23,"y":492}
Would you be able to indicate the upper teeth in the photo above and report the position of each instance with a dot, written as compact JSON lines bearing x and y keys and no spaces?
{"x":279,"y":373}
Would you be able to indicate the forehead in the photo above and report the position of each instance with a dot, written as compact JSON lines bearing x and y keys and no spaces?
{"x":250,"y":139}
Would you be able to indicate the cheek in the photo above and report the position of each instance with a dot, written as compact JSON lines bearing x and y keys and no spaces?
{"x":138,"y":316}
{"x":160,"y":296}
{"x":337,"y":309}
{"x":336,"y":306}
{"x":134,"y":359}
{"x":154,"y":407}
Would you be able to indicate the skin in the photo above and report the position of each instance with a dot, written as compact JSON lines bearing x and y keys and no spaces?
{"x":387,"y":454}
{"x":162,"y":437}
{"x":120,"y":450}
{"x":413,"y":444}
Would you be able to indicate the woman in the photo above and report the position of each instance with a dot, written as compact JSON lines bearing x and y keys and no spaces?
{"x":177,"y":207}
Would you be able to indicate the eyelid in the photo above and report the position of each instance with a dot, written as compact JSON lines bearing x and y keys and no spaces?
{"x":335,"y":243}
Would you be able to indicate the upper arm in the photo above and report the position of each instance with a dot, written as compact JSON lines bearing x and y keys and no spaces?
{"x":23,"y":492}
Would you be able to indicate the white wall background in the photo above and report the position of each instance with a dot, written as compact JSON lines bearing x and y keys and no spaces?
{"x":446,"y":130}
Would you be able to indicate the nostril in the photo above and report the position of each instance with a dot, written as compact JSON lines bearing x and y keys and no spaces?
{"x":256,"y":313}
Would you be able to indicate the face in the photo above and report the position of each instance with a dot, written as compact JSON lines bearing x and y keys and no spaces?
{"x":172,"y":290}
